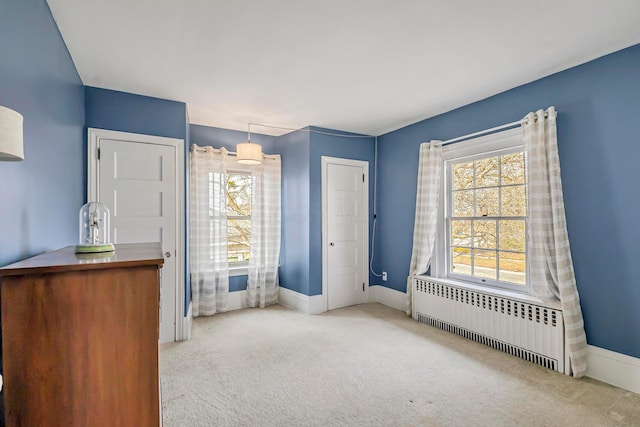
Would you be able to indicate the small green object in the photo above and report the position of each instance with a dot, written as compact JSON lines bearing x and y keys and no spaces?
{"x":92,"y":249}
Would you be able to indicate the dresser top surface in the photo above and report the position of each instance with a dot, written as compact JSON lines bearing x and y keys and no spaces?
{"x":65,"y":259}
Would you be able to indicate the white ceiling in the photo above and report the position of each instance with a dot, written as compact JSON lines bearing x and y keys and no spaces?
{"x":368,"y":66}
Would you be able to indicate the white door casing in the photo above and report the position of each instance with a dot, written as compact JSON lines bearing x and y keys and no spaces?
{"x":140,"y":179}
{"x":345,"y":232}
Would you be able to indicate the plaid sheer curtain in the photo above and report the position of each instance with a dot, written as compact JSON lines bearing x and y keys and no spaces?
{"x":264,"y":255}
{"x":426,"y":219}
{"x":551,"y":266}
{"x":208,"y":236}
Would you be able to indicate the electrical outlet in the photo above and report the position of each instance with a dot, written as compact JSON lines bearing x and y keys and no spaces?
{"x":384,"y":276}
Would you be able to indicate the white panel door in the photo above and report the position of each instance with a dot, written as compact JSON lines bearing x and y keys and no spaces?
{"x":346,"y":234}
{"x":137,"y":182}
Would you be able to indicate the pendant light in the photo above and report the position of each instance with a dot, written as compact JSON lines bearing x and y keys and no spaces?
{"x":249,"y":153}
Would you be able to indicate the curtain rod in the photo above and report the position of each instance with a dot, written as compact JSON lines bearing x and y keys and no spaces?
{"x":217,"y":150}
{"x":488,"y":131}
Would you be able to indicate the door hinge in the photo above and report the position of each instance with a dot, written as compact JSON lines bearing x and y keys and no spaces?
{"x":362,"y":286}
{"x":98,"y":153}
{"x":362,"y":177}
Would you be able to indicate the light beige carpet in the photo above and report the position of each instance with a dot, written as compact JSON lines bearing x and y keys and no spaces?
{"x":366,"y":365}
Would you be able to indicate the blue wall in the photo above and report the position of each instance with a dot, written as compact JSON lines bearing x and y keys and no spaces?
{"x":598,"y":123}
{"x":40,"y":197}
{"x":294,"y":258}
{"x":126,"y":112}
{"x":333,"y":146}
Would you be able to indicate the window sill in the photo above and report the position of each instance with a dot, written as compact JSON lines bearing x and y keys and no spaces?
{"x":238,"y":271}
{"x":494,"y":291}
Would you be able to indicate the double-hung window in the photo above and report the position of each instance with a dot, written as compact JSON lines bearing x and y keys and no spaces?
{"x":482,"y":236}
{"x":238,"y":190}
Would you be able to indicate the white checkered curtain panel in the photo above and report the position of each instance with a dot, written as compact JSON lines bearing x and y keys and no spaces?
{"x":264,"y":255}
{"x":208,"y":234}
{"x":551,"y":267}
{"x":426,"y":220}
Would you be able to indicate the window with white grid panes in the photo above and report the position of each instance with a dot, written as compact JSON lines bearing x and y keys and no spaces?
{"x":486,"y":209}
{"x":238,"y":192}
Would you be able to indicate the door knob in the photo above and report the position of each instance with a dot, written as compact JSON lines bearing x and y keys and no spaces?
{"x":167,"y":254}
{"x":332,"y":244}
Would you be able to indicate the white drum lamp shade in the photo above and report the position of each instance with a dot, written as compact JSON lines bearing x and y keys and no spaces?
{"x":11,"y":147}
{"x":249,"y":153}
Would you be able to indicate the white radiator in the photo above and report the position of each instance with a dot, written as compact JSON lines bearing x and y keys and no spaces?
{"x":526,"y":330}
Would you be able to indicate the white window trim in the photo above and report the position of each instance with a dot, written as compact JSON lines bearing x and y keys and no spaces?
{"x":500,"y":141}
{"x":239,"y":268}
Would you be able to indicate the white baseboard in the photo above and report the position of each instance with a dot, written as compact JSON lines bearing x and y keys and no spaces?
{"x":316,"y":304}
{"x":187,"y":323}
{"x":300,"y":302}
{"x":614,"y":368}
{"x":604,"y":365}
{"x":389,"y":297}
{"x":235,"y":301}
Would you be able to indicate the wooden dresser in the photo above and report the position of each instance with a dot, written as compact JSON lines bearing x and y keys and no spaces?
{"x":80,"y":338}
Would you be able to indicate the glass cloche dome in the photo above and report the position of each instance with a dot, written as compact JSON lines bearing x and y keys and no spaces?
{"x":94,"y":221}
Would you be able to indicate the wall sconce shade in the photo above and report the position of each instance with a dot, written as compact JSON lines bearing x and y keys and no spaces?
{"x":11,"y":146}
{"x":249,"y":153}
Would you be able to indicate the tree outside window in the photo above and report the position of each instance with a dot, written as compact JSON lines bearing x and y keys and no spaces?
{"x":238,"y":216}
{"x":486,"y":221}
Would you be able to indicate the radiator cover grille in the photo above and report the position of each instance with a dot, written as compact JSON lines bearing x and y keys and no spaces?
{"x":526,"y":330}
